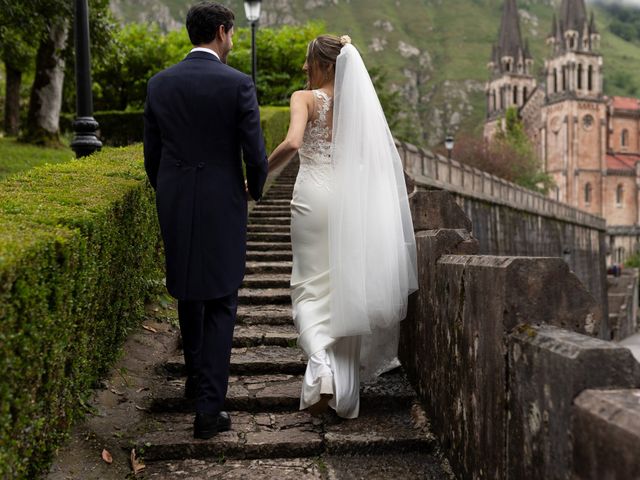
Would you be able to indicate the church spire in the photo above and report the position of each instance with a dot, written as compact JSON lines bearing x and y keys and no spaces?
{"x":573,"y":14}
{"x":510,"y":54}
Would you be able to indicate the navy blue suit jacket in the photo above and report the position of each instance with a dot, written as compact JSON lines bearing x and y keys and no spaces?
{"x":201,"y":120}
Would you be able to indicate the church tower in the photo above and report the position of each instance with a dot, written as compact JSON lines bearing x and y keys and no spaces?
{"x":511,"y":68}
{"x":574,"y":114}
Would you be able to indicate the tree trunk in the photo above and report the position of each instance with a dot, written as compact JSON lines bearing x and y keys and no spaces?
{"x":12,"y":100}
{"x":43,"y":119}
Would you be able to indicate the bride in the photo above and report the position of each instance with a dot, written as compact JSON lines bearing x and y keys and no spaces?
{"x":354,"y":257}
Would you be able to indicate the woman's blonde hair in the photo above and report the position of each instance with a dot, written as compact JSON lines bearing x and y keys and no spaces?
{"x":321,"y":58}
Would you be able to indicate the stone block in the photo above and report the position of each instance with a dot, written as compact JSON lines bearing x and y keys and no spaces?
{"x":548,"y":367}
{"x":435,"y":209}
{"x":453,"y":342}
{"x":606,"y":435}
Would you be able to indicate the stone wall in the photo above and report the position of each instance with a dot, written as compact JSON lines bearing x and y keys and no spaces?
{"x":511,"y":220}
{"x":499,"y":347}
{"x":623,"y":304}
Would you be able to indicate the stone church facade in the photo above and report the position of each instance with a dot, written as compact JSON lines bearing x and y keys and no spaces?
{"x":589,"y":143}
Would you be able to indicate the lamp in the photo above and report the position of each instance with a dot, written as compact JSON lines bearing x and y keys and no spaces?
{"x":252,"y":11}
{"x":448,"y":143}
{"x":85,"y":141}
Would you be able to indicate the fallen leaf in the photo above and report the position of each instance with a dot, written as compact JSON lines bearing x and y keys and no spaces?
{"x":106,"y":456}
{"x":136,"y":464}
{"x":113,"y":390}
{"x":151,"y":329}
{"x":142,"y":389}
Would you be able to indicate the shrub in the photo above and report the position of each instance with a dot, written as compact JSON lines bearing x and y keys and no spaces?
{"x":79,"y":243}
{"x":124,"y":128}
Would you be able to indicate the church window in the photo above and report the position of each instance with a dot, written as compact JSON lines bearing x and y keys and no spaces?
{"x":564,"y":78}
{"x":579,"y":76}
{"x":587,"y":122}
{"x":590,"y":78}
{"x":524,"y":94}
{"x":515,"y":95}
{"x":587,"y":193}
{"x":619,"y":192}
{"x":493,"y":94}
{"x":624,"y":138}
{"x":555,"y":80}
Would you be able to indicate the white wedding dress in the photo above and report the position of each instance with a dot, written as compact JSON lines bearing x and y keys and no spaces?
{"x":337,"y":360}
{"x":354,"y":253}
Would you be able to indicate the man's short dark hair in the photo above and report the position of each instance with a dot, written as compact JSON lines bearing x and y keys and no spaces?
{"x":204,"y":20}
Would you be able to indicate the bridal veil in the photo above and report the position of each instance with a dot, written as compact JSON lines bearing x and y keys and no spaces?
{"x":372,"y":250}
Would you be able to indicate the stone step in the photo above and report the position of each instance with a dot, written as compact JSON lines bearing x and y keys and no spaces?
{"x":286,"y":435}
{"x":275,"y":280}
{"x":264,"y":359}
{"x":269,"y":237}
{"x":270,"y":213}
{"x":264,"y":334}
{"x":271,"y":468}
{"x":272,"y":220}
{"x":281,"y":188}
{"x":264,"y":296}
{"x":264,"y":314}
{"x":277,"y":196}
{"x":257,"y":228}
{"x":268,"y":267}
{"x":404,"y":466}
{"x":272,"y":256}
{"x":262,"y":393}
{"x":267,"y":246}
{"x":274,"y":202}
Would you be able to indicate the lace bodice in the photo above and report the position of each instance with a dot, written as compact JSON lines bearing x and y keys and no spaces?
{"x":315,"y":152}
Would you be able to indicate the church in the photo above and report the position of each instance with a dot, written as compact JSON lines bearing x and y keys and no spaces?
{"x":588,"y":142}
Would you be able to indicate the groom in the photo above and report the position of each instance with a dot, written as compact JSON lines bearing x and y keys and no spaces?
{"x":199,"y":116}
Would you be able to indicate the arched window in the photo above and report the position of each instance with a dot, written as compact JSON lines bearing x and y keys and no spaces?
{"x":493,"y":94}
{"x":619,"y":192}
{"x":524,"y":94}
{"x":555,"y":80}
{"x":587,"y":193}
{"x":624,"y":138}
{"x":579,"y":76}
{"x":590,"y":78}
{"x":564,"y":78}
{"x":515,"y":95}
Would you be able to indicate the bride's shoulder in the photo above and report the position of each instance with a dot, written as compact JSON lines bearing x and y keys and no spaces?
{"x":302,"y":97}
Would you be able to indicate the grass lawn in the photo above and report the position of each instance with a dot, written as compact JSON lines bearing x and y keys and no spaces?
{"x":16,"y":157}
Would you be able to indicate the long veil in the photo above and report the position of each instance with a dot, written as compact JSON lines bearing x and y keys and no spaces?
{"x":372,"y":251}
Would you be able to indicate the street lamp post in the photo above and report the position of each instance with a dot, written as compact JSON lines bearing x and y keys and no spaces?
{"x":448,"y":143}
{"x":85,"y":141}
{"x":252,"y":11}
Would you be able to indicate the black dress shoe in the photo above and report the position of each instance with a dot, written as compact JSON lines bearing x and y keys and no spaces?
{"x":206,"y":425}
{"x":191,"y":388}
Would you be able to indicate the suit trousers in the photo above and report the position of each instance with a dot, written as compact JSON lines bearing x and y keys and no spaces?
{"x":207,"y":337}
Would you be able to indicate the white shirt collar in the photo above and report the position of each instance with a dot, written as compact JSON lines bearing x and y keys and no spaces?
{"x":208,"y":50}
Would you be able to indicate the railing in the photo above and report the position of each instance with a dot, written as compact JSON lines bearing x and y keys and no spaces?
{"x":435,"y":171}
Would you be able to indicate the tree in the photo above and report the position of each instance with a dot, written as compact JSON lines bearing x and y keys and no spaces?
{"x":16,"y":53}
{"x":509,"y":155}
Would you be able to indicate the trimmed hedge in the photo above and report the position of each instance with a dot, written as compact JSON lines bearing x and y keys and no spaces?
{"x":79,"y":244}
{"x":125,"y":128}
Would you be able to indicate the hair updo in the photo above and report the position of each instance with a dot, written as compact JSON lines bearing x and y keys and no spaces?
{"x":321,"y":58}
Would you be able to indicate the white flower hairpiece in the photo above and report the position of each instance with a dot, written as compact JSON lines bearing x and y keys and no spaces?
{"x":345,"y":39}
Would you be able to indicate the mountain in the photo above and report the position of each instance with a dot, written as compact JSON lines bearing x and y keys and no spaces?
{"x":435,"y":51}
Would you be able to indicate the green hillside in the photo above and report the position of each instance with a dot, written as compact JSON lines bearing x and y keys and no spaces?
{"x":435,"y":51}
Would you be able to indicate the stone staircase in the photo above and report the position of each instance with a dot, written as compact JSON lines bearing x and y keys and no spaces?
{"x":270,"y":437}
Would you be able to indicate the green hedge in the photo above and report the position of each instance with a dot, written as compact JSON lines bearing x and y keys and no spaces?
{"x":124,"y":128}
{"x":275,"y":123}
{"x":79,"y":244}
